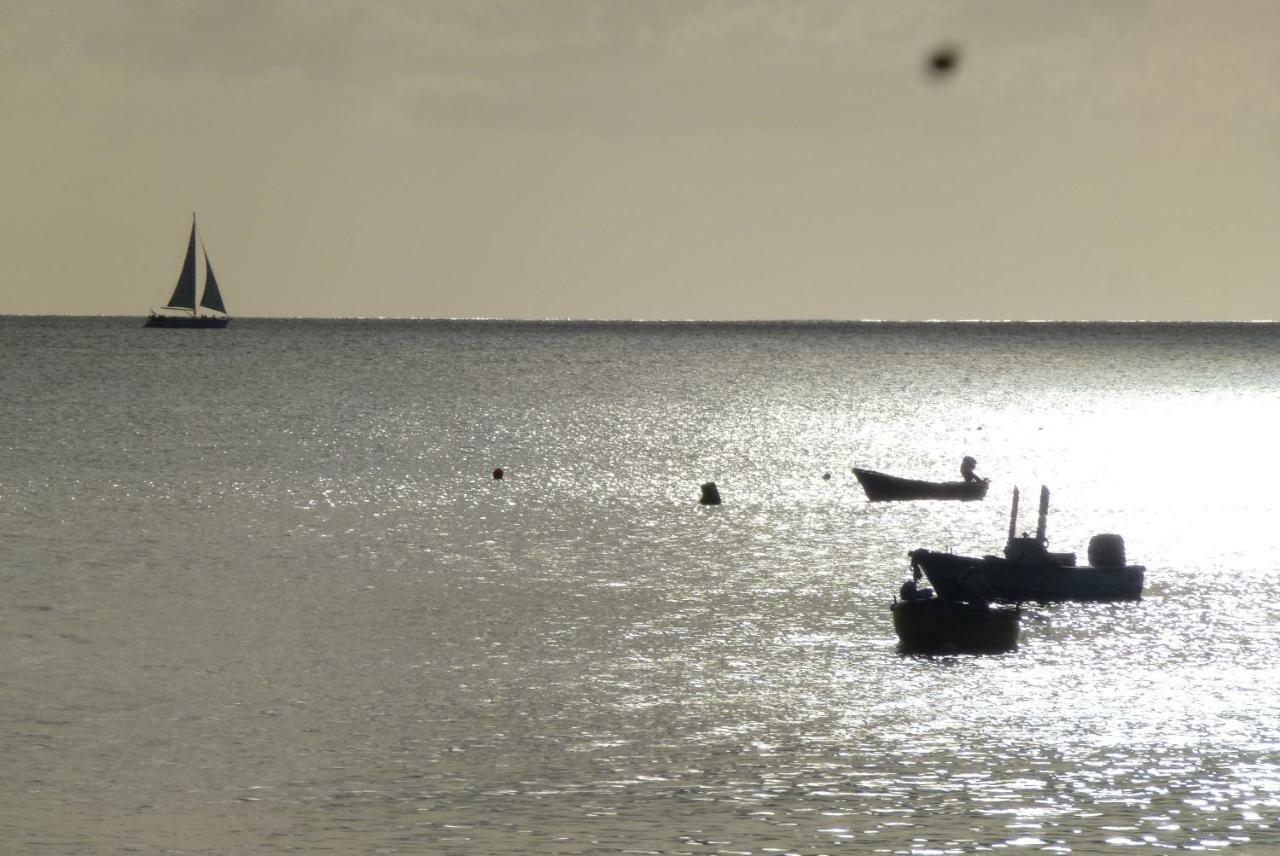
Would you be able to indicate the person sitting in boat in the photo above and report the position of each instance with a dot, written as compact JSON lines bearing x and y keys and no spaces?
{"x":910,"y":591}
{"x":966,"y":469}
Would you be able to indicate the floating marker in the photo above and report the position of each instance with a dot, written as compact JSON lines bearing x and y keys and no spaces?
{"x":497,"y":473}
{"x":710,"y":494}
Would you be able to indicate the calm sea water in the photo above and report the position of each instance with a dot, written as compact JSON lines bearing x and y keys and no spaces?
{"x":258,"y":592}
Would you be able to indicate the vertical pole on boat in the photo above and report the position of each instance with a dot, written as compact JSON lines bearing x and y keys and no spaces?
{"x":1044,"y":513}
{"x":1013,"y":516}
{"x":195,"y":310}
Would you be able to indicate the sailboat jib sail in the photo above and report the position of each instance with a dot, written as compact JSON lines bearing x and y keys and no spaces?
{"x":212,"y":298}
{"x":184,"y":294}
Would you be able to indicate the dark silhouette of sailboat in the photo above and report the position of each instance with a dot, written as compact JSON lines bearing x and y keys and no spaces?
{"x":184,"y":294}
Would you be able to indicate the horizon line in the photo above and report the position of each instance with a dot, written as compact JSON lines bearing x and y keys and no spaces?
{"x":585,"y":320}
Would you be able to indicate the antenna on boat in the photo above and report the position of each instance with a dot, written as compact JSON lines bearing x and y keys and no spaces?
{"x":1044,"y":513}
{"x":1013,"y":516}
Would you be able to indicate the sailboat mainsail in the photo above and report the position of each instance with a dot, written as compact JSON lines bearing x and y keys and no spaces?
{"x":184,"y":293}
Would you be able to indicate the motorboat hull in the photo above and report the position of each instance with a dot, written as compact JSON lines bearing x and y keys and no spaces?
{"x":991,"y":578}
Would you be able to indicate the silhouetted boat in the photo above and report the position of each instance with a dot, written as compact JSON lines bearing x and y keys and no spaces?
{"x":1030,"y":572}
{"x":184,"y":294}
{"x":931,"y":625}
{"x":880,"y":487}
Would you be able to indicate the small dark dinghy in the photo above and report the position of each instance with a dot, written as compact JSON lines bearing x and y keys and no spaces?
{"x":880,"y":487}
{"x":927,"y":624}
{"x":1030,"y":572}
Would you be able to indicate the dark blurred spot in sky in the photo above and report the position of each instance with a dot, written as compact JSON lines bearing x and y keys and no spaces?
{"x":942,"y":62}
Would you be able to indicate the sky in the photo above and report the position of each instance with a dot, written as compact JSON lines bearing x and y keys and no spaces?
{"x":644,"y":159}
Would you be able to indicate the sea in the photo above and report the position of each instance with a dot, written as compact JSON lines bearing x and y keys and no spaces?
{"x":260,"y":592}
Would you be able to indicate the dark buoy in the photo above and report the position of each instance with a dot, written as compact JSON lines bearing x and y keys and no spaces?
{"x":710,"y":494}
{"x":942,"y":62}
{"x":826,"y":476}
{"x":497,"y":473}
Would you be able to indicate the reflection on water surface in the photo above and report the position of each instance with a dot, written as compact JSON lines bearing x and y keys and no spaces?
{"x":291,"y":610}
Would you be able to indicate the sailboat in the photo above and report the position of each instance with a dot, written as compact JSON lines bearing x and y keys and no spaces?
{"x":184,"y":294}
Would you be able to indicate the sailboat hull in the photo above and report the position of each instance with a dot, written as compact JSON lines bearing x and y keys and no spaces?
{"x":198,"y":322}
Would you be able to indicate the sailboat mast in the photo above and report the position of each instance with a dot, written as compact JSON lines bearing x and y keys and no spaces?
{"x":195,"y":310}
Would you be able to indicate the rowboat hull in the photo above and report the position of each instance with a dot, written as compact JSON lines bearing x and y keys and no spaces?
{"x":880,"y":487}
{"x":935,"y":626}
{"x":991,"y":578}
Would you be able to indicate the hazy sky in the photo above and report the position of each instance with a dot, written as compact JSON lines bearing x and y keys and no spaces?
{"x":632,"y":159}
